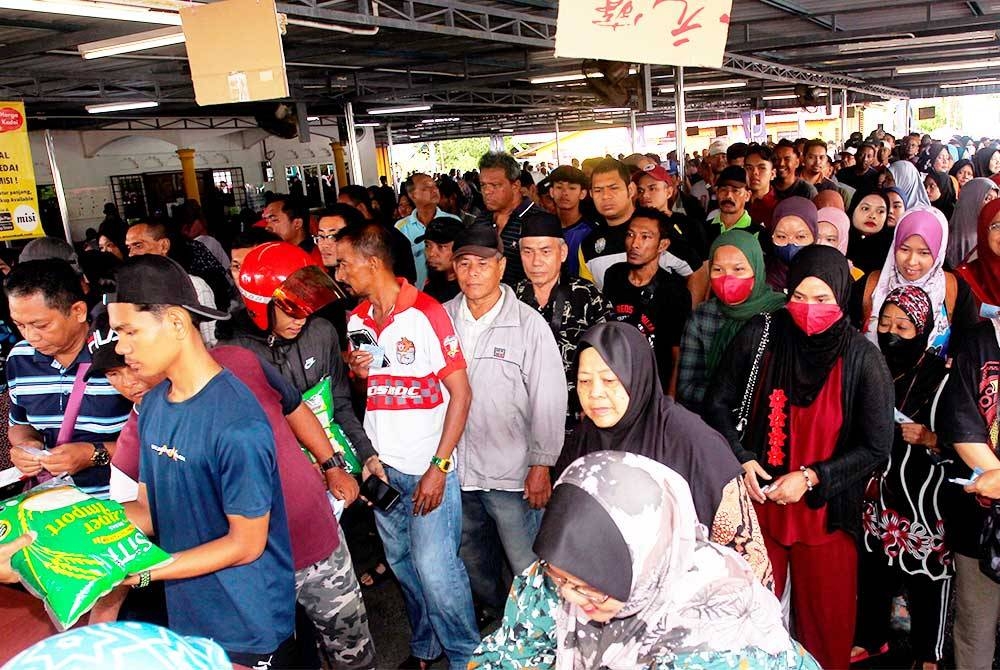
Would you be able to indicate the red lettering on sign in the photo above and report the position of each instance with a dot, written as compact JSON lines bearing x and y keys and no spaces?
{"x":10,"y":119}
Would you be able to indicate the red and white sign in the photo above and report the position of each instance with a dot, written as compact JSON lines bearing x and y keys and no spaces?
{"x":659,"y":32}
{"x":10,"y":119}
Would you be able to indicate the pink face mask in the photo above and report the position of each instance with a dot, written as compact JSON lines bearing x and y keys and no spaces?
{"x":814,"y":318}
{"x":732,"y":290}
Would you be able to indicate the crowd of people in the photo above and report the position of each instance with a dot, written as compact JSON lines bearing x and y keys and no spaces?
{"x":621,"y":413}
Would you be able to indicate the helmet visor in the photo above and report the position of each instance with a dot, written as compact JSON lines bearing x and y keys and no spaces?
{"x":305,"y":291}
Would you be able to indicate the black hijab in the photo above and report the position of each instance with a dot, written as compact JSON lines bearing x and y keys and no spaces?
{"x":868,"y":252}
{"x":797,"y":365}
{"x":946,"y":203}
{"x":981,"y":161}
{"x":959,"y":164}
{"x":653,"y":425}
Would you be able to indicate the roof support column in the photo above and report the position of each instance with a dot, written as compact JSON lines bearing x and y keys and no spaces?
{"x":352,"y":145}
{"x":50,"y":149}
{"x":190,"y":176}
{"x":843,"y":118}
{"x":679,"y":132}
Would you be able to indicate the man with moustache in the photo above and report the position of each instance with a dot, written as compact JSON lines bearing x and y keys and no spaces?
{"x":733,"y":193}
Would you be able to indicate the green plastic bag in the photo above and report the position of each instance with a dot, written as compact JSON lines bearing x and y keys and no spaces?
{"x":319,"y":399}
{"x":84,"y":548}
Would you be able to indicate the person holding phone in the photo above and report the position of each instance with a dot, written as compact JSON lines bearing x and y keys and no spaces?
{"x":403,"y":343}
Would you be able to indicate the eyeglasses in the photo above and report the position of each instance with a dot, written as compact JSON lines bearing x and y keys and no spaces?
{"x":595,"y":597}
{"x":320,"y":237}
{"x":994,"y":227}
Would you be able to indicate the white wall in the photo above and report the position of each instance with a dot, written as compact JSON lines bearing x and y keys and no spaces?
{"x":88,"y":159}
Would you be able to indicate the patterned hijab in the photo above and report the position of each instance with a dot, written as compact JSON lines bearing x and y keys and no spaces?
{"x":931,"y":226}
{"x":686,"y":593}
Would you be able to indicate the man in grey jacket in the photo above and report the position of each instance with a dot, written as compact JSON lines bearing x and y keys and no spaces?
{"x":515,"y":429}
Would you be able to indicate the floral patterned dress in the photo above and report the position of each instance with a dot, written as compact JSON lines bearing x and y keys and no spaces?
{"x":526,"y":640}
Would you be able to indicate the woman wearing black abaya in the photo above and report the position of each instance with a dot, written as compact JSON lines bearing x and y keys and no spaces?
{"x":625,"y":410}
{"x":816,"y":398}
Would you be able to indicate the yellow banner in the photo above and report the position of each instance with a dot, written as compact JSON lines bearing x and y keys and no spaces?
{"x":19,"y":216}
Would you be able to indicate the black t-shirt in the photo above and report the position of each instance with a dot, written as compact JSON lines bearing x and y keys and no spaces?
{"x":439,"y":287}
{"x":660,"y":310}
{"x":969,"y":413}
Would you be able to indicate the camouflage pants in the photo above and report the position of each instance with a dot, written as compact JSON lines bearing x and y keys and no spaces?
{"x":329,"y":592}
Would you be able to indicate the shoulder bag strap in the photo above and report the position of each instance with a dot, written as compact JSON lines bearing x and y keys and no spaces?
{"x":743,"y":415}
{"x":73,"y":405}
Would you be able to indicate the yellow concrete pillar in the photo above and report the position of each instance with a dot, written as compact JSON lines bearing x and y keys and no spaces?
{"x":190,"y":177}
{"x":338,"y":163}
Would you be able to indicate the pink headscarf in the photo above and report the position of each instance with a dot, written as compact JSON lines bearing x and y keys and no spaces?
{"x":839,"y":219}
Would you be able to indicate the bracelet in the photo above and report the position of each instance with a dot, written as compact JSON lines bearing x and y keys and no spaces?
{"x":445,"y":465}
{"x":805,"y":473}
{"x":144,"y":579}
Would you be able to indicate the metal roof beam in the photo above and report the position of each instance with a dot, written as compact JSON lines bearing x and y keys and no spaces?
{"x":762,"y":69}
{"x":442,"y":17}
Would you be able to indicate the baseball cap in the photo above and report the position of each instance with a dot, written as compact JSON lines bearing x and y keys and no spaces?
{"x":542,"y":226}
{"x":101,"y":345}
{"x":50,"y":247}
{"x":158,"y":280}
{"x":442,"y":230}
{"x":479,"y":239}
{"x":569,"y":174}
{"x":718,"y":147}
{"x":733,"y":175}
{"x":657,"y":172}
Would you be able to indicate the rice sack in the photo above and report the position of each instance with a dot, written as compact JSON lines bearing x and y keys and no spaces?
{"x":84,"y":548}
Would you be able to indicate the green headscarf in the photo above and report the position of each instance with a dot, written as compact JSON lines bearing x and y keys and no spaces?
{"x":763,"y":299}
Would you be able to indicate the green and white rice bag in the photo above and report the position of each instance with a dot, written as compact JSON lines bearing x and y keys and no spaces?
{"x":84,"y":548}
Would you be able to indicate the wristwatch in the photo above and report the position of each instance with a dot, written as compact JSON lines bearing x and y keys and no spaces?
{"x":101,"y":455}
{"x":335,"y":461}
{"x":445,"y":465}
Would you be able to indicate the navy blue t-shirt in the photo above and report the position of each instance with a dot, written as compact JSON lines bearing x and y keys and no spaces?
{"x":201,"y":459}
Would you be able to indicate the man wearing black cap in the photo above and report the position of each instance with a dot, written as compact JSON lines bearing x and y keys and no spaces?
{"x":438,"y":242}
{"x":515,"y":429}
{"x":570,"y":188}
{"x":733,"y":193}
{"x":569,"y":305}
{"x":209,"y":486}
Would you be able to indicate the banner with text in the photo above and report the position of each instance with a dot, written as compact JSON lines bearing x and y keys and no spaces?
{"x":659,"y":32}
{"x":19,"y":217}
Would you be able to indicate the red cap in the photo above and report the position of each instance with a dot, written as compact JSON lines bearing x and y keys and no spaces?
{"x":657,"y":172}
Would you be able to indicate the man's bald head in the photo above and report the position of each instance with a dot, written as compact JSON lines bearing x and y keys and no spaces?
{"x":829,"y":198}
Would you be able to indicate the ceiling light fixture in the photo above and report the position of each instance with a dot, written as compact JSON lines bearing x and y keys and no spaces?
{"x":399,"y":110}
{"x":938,"y":67}
{"x":560,"y":78}
{"x":368,"y":125}
{"x":94,"y":10}
{"x":780,"y":96}
{"x":980,"y":82}
{"x":710,"y":86}
{"x":611,"y":109}
{"x":121,"y":106}
{"x":140,"y":41}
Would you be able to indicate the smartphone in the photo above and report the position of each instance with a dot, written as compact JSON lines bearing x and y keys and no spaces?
{"x":363,"y":341}
{"x":380,"y":494}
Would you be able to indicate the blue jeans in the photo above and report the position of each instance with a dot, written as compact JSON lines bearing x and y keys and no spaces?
{"x":423,"y":554}
{"x":488,"y":516}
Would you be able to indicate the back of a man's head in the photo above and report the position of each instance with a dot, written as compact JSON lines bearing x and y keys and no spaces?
{"x":55,"y":280}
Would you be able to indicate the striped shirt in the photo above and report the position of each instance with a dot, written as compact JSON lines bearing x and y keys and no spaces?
{"x":39,"y":390}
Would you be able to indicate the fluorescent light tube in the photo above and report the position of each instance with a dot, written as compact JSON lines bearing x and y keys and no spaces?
{"x":121,"y":106}
{"x":399,"y":110}
{"x":938,"y":67}
{"x":120,"y":45}
{"x":95,"y":10}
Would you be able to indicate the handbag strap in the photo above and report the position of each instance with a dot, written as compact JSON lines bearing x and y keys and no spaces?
{"x":73,"y":405}
{"x":744,"y":412}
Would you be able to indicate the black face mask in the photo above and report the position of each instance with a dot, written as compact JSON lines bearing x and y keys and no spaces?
{"x":900,"y":354}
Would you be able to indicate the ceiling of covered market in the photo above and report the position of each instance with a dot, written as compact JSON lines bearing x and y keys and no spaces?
{"x":476,"y":63}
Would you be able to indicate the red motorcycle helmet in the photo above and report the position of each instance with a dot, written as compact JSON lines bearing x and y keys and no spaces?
{"x":285,"y":275}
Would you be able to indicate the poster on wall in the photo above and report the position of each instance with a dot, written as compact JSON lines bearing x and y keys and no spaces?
{"x":19,"y":217}
{"x":659,"y":32}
